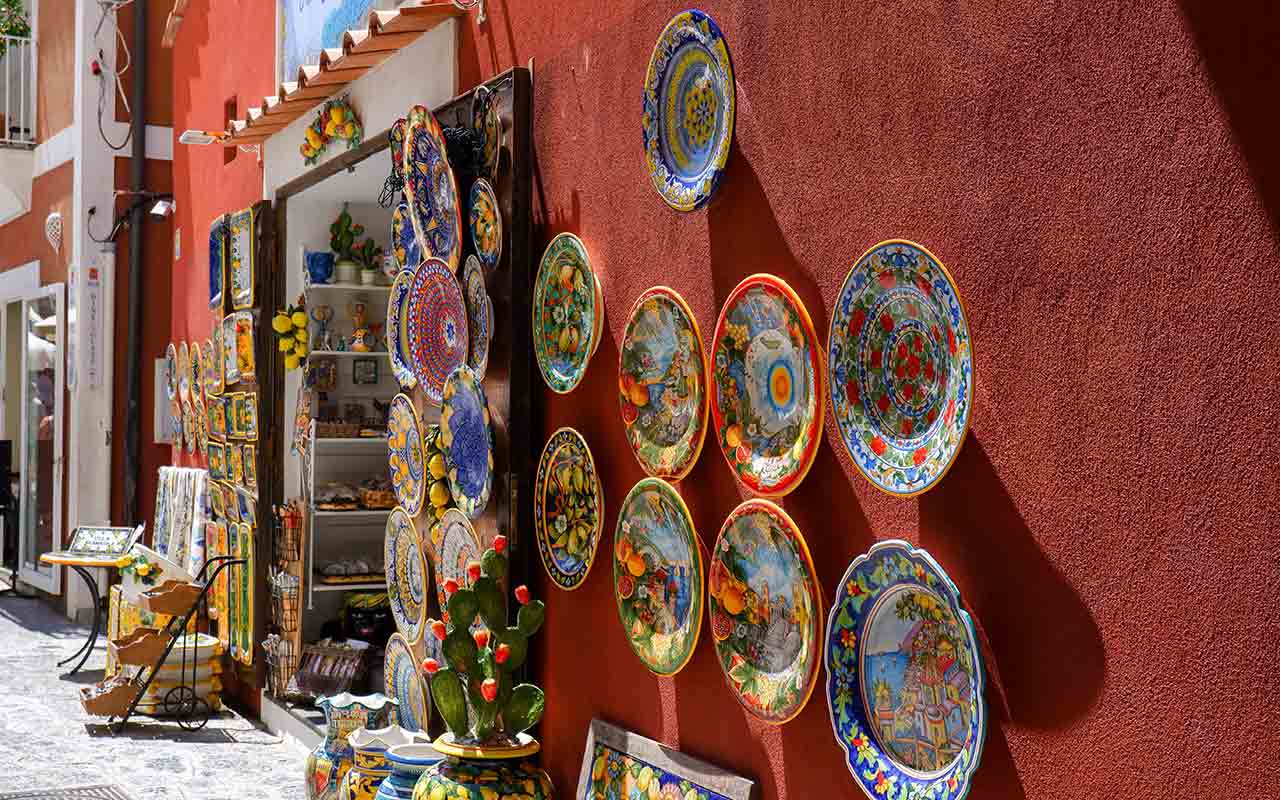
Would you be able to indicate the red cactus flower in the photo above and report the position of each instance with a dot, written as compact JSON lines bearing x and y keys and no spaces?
{"x":438,"y":630}
{"x":489,"y":688}
{"x":502,"y":653}
{"x":482,"y":637}
{"x":500,"y":543}
{"x":473,"y":571}
{"x":450,"y":586}
{"x":522,"y":594}
{"x":431,"y":666}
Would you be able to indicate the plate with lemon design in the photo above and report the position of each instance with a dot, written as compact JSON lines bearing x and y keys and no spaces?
{"x":405,"y":454}
{"x":568,"y":508}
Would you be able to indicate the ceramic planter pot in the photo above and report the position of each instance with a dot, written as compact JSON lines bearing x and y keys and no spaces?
{"x":344,"y":713}
{"x":347,"y":271}
{"x":370,"y":765}
{"x":369,"y":277}
{"x":512,"y":779}
{"x":408,"y":763}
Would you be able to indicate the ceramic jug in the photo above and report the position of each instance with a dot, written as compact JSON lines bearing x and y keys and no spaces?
{"x":408,"y":762}
{"x":344,"y":714}
{"x":370,"y":764}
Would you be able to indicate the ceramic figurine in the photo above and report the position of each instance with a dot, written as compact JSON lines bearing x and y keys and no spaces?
{"x":362,"y":338}
{"x":323,"y":315}
{"x":371,"y":764}
{"x":343,"y":713}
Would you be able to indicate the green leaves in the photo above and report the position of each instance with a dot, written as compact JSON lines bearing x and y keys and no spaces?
{"x":450,"y":699}
{"x":493,"y":607}
{"x":463,"y":607}
{"x":524,"y":708}
{"x":494,"y":564}
{"x":530,"y":617}
{"x":519,"y":644}
{"x":460,"y":651}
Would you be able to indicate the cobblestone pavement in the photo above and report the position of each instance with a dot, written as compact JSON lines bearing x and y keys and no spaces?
{"x":47,"y":741}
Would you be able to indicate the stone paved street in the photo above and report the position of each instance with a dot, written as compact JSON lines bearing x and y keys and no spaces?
{"x":47,"y":741}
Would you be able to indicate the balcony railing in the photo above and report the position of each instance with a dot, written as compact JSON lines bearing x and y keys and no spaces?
{"x":17,"y":92}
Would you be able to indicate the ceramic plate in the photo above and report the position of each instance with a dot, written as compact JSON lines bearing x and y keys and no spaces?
{"x":567,"y":313}
{"x":430,"y":189}
{"x":407,"y":575}
{"x":901,"y":367}
{"x":768,"y":398}
{"x":171,"y":371}
{"x":404,"y":683}
{"x":657,"y":576}
{"x":404,"y":241}
{"x":190,"y":429}
{"x":241,"y":259}
{"x":208,"y":368}
{"x":405,"y":456}
{"x":184,"y":373}
{"x":765,"y":604}
{"x":479,"y":316}
{"x":196,"y":365}
{"x":200,"y":417}
{"x":437,"y":326}
{"x":662,"y":384}
{"x":216,"y":359}
{"x":399,"y":129}
{"x":453,"y":545}
{"x":904,"y":676}
{"x":568,"y":508}
{"x":687,"y":123}
{"x":487,"y":122}
{"x":246,"y":359}
{"x":230,"y":365}
{"x":217,"y":263}
{"x":467,"y":442}
{"x":397,"y":333}
{"x":486,"y":223}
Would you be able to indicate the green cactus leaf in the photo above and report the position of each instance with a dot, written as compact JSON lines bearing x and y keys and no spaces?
{"x":450,"y":699}
{"x":529,"y":619}
{"x":461,"y":651}
{"x":493,"y":608}
{"x":494,"y":564}
{"x":463,"y":607}
{"x":486,"y":713}
{"x":523,"y":709}
{"x":518,"y":644}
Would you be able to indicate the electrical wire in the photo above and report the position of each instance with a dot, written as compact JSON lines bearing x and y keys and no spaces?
{"x":109,"y":9}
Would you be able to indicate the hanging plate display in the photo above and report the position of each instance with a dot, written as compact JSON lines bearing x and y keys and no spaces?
{"x":479,"y":316}
{"x":404,"y":242}
{"x":662,"y":384}
{"x":568,"y":312}
{"x":687,"y":123}
{"x":901,"y":367}
{"x":241,"y":259}
{"x":768,"y":398}
{"x":404,"y":683}
{"x":246,"y":359}
{"x":207,"y":368}
{"x":171,"y":371}
{"x":404,"y":454}
{"x":189,"y":429}
{"x":568,"y":508}
{"x":196,"y":366}
{"x":217,"y":367}
{"x":397,"y":329}
{"x":184,"y":373}
{"x":430,"y":189}
{"x":436,"y":331}
{"x":230,"y":364}
{"x":217,"y":262}
{"x":904,"y":676}
{"x":486,"y":121}
{"x":399,"y":129}
{"x":657,"y":576}
{"x":467,"y":442}
{"x":765,"y":604}
{"x":406,"y":571}
{"x":201,"y":419}
{"x":486,"y":223}
{"x":454,"y":545}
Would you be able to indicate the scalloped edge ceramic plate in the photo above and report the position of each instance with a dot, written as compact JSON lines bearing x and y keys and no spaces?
{"x":410,"y":623}
{"x":452,"y":309}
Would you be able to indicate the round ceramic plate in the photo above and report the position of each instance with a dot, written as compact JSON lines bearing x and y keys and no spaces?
{"x":209,"y":368}
{"x":479,"y":316}
{"x":196,"y":366}
{"x":657,"y":576}
{"x":467,"y":442}
{"x":405,"y":455}
{"x":904,"y":676}
{"x":688,"y":110}
{"x":662,"y":384}
{"x":487,"y":122}
{"x":404,"y":242}
{"x":766,"y":611}
{"x":184,"y":373}
{"x":397,"y":329}
{"x":404,"y":683}
{"x":768,"y":398}
{"x":399,"y":129}
{"x":436,"y":330}
{"x":567,"y":313}
{"x":171,"y":371}
{"x":486,"y":223}
{"x":200,"y":418}
{"x":568,"y":508}
{"x":453,"y":545}
{"x":901,"y":367}
{"x":407,"y":576}
{"x":430,"y":190}
{"x":189,"y":431}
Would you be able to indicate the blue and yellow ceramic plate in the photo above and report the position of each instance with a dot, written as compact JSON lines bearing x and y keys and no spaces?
{"x":479,"y":316}
{"x":240,"y":259}
{"x":904,"y":676}
{"x":406,"y":572}
{"x":404,"y":683}
{"x":404,"y":241}
{"x":171,"y":371}
{"x":568,"y":313}
{"x":436,"y":329}
{"x":568,"y":508}
{"x":217,"y":263}
{"x":397,"y":329}
{"x":184,"y":373}
{"x":467,"y":442}
{"x":405,"y":454}
{"x":901,"y":367}
{"x":430,"y":189}
{"x":486,"y":223}
{"x":688,"y":110}
{"x":454,"y":545}
{"x":487,"y":122}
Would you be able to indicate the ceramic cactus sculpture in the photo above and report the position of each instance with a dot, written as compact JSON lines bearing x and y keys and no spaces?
{"x":475,"y":689}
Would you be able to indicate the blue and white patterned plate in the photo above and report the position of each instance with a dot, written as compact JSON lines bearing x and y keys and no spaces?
{"x":479,"y":316}
{"x":397,"y":332}
{"x":406,"y":574}
{"x":467,"y":442}
{"x":404,"y":683}
{"x":430,"y":189}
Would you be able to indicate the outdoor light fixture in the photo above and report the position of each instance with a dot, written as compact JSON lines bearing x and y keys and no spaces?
{"x":202,"y":137}
{"x":163,"y":209}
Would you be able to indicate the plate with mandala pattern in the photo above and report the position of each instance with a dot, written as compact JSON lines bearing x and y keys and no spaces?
{"x":467,"y":442}
{"x":397,"y":329}
{"x":430,"y":189}
{"x":479,"y":316}
{"x":486,"y":223}
{"x":454,"y":545}
{"x":437,"y":337}
{"x":568,"y":508}
{"x":568,"y":311}
{"x":404,"y":683}
{"x":405,"y":455}
{"x":901,"y":367}
{"x":406,"y":571}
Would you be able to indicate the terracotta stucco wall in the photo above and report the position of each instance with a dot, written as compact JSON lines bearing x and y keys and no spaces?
{"x":22,"y":239}
{"x":55,"y":56}
{"x":159,"y":65}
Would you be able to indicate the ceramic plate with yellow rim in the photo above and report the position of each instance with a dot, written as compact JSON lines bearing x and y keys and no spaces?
{"x":657,"y":574}
{"x":568,"y":508}
{"x":184,"y":373}
{"x":467,"y":441}
{"x":171,"y":371}
{"x":405,"y":454}
{"x":568,"y":313}
{"x":404,"y":683}
{"x":454,"y":545}
{"x":767,"y":390}
{"x":662,"y":384}
{"x":486,"y":223}
{"x":406,"y":571}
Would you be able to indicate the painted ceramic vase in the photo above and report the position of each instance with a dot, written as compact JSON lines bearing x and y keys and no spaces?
{"x":344,"y":713}
{"x":408,"y":763}
{"x":319,"y":264}
{"x":568,"y":508}
{"x":370,"y":763}
{"x":511,"y":779}
{"x":568,"y":313}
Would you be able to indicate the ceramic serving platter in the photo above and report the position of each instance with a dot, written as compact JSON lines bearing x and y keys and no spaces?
{"x":404,"y":241}
{"x":201,"y":419}
{"x":467,"y":442}
{"x":217,"y":262}
{"x":235,"y":464}
{"x":217,"y":418}
{"x":397,"y":329}
{"x":436,"y":331}
{"x":568,"y":311}
{"x":404,"y":683}
{"x":246,"y":359}
{"x":662,"y":384}
{"x":479,"y":316}
{"x":240,"y":258}
{"x":405,"y":455}
{"x":768,"y":398}
{"x":171,"y":371}
{"x":407,"y":576}
{"x":217,"y":360}
{"x":904,"y":676}
{"x":657,"y":576}
{"x":217,"y":461}
{"x":184,"y":373}
{"x":688,"y":112}
{"x":430,"y":189}
{"x":454,"y":545}
{"x":486,"y":120}
{"x":190,"y":429}
{"x":901,"y":367}
{"x":486,"y":223}
{"x":568,"y":508}
{"x":245,"y":408}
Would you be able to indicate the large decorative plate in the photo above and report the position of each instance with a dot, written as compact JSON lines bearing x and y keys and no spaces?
{"x":397,"y":329}
{"x":241,"y":259}
{"x":688,"y":110}
{"x":404,"y":242}
{"x":904,"y":676}
{"x":218,"y":367}
{"x":404,"y":454}
{"x":217,"y":262}
{"x":436,"y":330}
{"x":184,"y":373}
{"x":406,"y":571}
{"x":486,"y":223}
{"x":246,"y":350}
{"x":467,"y":442}
{"x":487,"y":122}
{"x":230,"y":364}
{"x":901,"y":367}
{"x":430,"y":189}
{"x":209,"y":367}
{"x":196,"y":365}
{"x":567,"y":310}
{"x":454,"y":545}
{"x":765,"y":604}
{"x":662,"y":384}
{"x":768,"y":397}
{"x":568,"y":508}
{"x":479,"y":316}
{"x":404,"y":683}
{"x":399,"y":129}
{"x":657,"y":576}
{"x":171,"y":371}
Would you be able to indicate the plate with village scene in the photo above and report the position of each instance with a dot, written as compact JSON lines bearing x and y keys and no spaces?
{"x":568,"y":312}
{"x":486,"y":223}
{"x":662,"y":384}
{"x":404,"y":683}
{"x":171,"y":371}
{"x":430,"y":189}
{"x":454,"y":545}
{"x":405,"y":456}
{"x":437,"y":337}
{"x":901,"y":366}
{"x":467,"y":442}
{"x":657,"y":576}
{"x":768,"y":398}
{"x":486,"y":121}
{"x":479,"y":316}
{"x":904,"y":676}
{"x":568,"y":508}
{"x":397,"y":329}
{"x":766,"y":611}
{"x":407,"y":576}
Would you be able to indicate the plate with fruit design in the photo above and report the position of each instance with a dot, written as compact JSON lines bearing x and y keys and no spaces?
{"x":568,"y":313}
{"x":405,"y":454}
{"x":568,"y":508}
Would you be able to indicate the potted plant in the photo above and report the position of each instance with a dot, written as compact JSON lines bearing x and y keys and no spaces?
{"x":370,"y":257}
{"x":342,"y":240}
